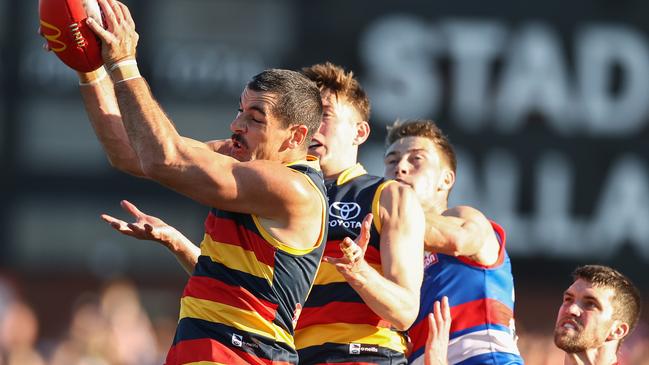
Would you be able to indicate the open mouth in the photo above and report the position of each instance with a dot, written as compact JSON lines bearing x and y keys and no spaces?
{"x":315,"y":144}
{"x":569,"y":324}
{"x":238,"y":142}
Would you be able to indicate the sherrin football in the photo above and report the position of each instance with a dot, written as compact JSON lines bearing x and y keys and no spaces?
{"x":63,"y":24}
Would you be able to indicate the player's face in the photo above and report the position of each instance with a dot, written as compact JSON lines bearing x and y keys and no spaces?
{"x":416,"y":161}
{"x":257,"y":134}
{"x":335,"y":137}
{"x":585,"y":318}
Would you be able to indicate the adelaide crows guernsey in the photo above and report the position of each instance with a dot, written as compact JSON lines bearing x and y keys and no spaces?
{"x":336,"y":326}
{"x":242,"y":302}
{"x":482,"y":308}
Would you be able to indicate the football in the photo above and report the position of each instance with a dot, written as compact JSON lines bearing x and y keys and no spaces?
{"x":63,"y":24}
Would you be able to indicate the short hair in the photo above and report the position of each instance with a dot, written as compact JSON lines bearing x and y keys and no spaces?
{"x":423,"y":128}
{"x":626,"y":300}
{"x":334,"y":78}
{"x":298,"y":98}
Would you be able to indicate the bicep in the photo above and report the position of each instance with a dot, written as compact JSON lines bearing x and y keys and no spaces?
{"x":262,"y":188}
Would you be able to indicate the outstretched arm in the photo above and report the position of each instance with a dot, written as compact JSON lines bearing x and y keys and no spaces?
{"x":150,"y":228}
{"x":462,"y":231}
{"x":98,"y":94}
{"x":394,"y":293}
{"x":264,"y":188}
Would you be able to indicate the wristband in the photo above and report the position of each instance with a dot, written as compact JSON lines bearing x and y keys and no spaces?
{"x":123,"y":71}
{"x":91,"y":78}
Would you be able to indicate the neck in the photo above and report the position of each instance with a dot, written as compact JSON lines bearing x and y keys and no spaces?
{"x":333,"y":169}
{"x":292,"y":156}
{"x":436,"y":206}
{"x":599,"y":356}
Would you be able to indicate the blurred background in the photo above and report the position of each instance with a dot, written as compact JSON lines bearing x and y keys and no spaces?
{"x":546,"y":102}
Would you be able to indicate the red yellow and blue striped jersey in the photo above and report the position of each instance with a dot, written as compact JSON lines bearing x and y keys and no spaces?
{"x":247,"y":290}
{"x":482,"y":308}
{"x":336,"y":326}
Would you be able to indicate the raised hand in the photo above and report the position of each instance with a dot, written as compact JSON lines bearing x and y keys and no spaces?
{"x":119,"y":38}
{"x":145,"y":227}
{"x":353,"y":260}
{"x":439,"y":325}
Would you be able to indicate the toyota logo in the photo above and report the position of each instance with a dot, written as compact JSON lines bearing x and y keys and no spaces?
{"x":343,"y":210}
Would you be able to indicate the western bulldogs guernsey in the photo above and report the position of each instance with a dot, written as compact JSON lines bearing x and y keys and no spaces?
{"x":336,"y":326}
{"x":482,"y":308}
{"x":241,"y":304}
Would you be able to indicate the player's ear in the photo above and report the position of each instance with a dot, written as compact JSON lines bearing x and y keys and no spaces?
{"x":362,"y":132}
{"x":297,"y":136}
{"x":447,"y":179}
{"x":619,"y":331}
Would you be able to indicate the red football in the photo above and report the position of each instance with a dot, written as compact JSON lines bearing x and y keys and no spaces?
{"x":68,"y":36}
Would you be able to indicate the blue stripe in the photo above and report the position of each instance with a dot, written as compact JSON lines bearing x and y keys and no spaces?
{"x":195,"y":329}
{"x":258,"y":286}
{"x":462,"y":283}
{"x":495,"y":358}
{"x":335,"y":292}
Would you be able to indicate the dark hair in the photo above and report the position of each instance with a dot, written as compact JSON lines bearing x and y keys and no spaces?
{"x":298,"y":98}
{"x":626,"y":300}
{"x":423,"y":128}
{"x":334,"y":78}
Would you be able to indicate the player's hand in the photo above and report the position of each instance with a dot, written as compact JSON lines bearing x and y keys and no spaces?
{"x":119,"y":38}
{"x":439,"y":326}
{"x":352,"y":263}
{"x":145,"y":227}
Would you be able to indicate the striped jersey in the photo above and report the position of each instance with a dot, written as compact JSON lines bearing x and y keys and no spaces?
{"x":482,"y":308}
{"x":336,"y":326}
{"x":242,"y":302}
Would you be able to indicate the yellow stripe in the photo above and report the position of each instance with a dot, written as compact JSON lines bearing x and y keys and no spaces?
{"x":345,"y":333}
{"x":327,"y":274}
{"x":292,"y":250}
{"x":248,"y":321}
{"x":351,"y":173}
{"x":376,"y":204}
{"x":205,"y":363}
{"x":236,"y":258}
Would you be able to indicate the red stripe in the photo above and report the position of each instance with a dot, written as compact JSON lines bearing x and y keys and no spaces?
{"x":215,"y":290}
{"x":372,"y":255}
{"x":480,"y":312}
{"x":340,"y":312}
{"x":210,"y":350}
{"x":418,"y":334}
{"x":228,"y":231}
{"x":466,"y":315}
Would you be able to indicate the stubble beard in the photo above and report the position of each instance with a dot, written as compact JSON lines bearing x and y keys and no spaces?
{"x":579,"y":341}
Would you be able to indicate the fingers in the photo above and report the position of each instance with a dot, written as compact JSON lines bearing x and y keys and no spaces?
{"x":363,"y":238}
{"x":109,"y":14}
{"x":432,"y":327}
{"x":351,"y":250}
{"x":117,"y":9}
{"x":128,"y":18}
{"x":105,"y":36}
{"x":130,"y":208}
{"x":117,"y":224}
{"x":446,"y":310}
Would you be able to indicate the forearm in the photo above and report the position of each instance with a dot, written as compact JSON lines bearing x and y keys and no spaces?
{"x":447,"y":235}
{"x":186,"y":253}
{"x":390,"y":301}
{"x":105,"y":117}
{"x":151,"y":134}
